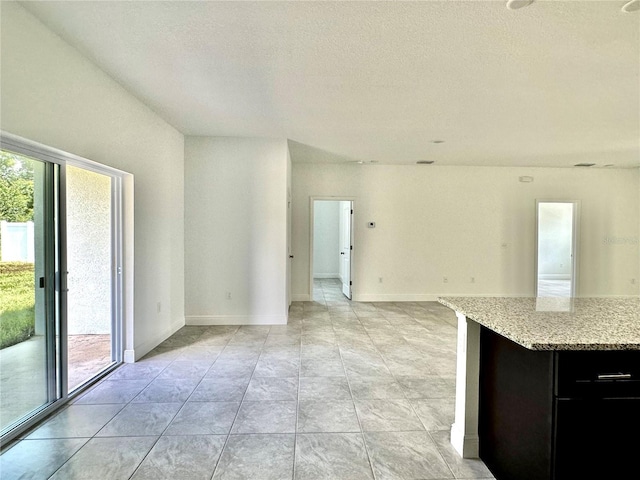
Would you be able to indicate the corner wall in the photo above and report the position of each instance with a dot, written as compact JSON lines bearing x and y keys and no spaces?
{"x":53,"y":95}
{"x":236,"y":231}
{"x":463,"y":222}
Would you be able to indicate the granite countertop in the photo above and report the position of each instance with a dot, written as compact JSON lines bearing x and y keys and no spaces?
{"x":557,"y":324}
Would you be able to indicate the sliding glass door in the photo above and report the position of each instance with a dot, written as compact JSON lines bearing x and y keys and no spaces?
{"x":29,"y":317}
{"x":91,"y":267}
{"x":60,"y":266}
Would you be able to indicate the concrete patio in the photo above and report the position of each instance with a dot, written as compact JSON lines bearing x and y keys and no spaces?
{"x":22,"y":371}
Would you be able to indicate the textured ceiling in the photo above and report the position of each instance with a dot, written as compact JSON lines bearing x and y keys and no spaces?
{"x":552,"y":84}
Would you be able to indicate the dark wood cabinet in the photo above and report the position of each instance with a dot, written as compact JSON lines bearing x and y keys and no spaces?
{"x":558,"y":415}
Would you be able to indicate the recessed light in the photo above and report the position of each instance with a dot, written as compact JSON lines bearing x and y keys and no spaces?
{"x":632,"y":6}
{"x":584,"y":164}
{"x":425,"y":162}
{"x":516,"y":4}
{"x":608,"y":165}
{"x":437,"y":141}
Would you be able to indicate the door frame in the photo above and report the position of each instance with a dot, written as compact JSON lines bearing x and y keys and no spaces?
{"x":122,"y":280}
{"x":117,"y":247}
{"x":575,"y":244}
{"x":312,"y":200}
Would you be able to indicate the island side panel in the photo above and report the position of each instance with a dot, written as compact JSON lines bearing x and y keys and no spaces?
{"x":464,"y":431}
{"x":516,"y":408}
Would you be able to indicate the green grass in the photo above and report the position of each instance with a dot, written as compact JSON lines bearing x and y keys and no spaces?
{"x":17,"y":301}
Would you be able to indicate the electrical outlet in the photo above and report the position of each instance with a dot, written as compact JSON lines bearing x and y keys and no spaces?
{"x":159,"y":307}
{"x":633,"y":281}
{"x":473,"y":279}
{"x":228,"y":295}
{"x":379,"y":279}
{"x":445,"y":280}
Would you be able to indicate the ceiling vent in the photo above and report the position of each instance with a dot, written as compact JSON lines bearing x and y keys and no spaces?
{"x":425,"y":162}
{"x":584,"y":164}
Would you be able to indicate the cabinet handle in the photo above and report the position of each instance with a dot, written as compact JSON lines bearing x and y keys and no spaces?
{"x":614,"y":376}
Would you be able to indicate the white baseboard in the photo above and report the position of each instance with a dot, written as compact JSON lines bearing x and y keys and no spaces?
{"x":554,"y":276}
{"x":423,"y":297}
{"x":140,"y":351}
{"x":395,"y":297}
{"x":403,"y":297}
{"x":468,"y":446}
{"x":236,"y":319}
{"x":326,"y":275}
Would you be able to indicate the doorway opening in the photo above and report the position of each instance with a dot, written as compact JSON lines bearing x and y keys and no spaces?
{"x":331,"y":261}
{"x":556,"y":247}
{"x":92,"y":230}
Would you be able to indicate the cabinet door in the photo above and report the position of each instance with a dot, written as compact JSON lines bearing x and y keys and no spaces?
{"x":516,"y":409}
{"x":597,"y":438}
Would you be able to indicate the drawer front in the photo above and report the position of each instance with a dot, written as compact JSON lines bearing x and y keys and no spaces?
{"x":598,"y":374}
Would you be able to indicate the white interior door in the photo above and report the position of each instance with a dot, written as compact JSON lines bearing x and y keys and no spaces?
{"x":289,"y":254}
{"x":346,"y":248}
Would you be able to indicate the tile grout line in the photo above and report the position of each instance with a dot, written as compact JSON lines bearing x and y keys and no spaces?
{"x":226,"y":441}
{"x":94,"y":436}
{"x":295,"y":428}
{"x":418,"y":416}
{"x":395,"y":379}
{"x":179,"y":410}
{"x":353,"y":401}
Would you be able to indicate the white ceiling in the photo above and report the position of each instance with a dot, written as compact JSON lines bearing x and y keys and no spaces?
{"x":552,"y":84}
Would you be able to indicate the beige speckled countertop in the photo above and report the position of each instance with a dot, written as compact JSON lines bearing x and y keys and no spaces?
{"x":585,"y":323}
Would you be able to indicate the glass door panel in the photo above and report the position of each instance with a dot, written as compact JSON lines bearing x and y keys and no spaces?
{"x":28,"y":318}
{"x":90,"y":278}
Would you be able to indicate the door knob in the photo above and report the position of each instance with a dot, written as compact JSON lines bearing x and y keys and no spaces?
{"x":341,"y":253}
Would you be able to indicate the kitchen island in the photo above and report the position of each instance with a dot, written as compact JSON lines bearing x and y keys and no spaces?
{"x":548,"y":387}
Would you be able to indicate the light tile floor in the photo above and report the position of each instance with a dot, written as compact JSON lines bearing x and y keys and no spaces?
{"x":346,"y":390}
{"x":554,"y":288}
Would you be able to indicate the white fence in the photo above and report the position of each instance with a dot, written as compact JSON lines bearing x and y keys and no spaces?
{"x":17,"y":242}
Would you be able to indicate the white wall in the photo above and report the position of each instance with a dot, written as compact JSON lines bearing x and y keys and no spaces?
{"x":53,"y":95}
{"x":463,"y":222}
{"x":235,"y":230}
{"x":326,"y":239}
